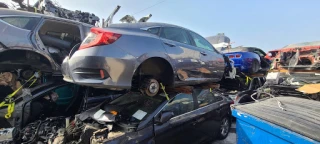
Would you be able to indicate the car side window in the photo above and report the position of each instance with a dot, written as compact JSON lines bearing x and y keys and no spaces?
{"x":154,"y":30}
{"x":205,"y":98}
{"x":27,"y":23}
{"x":181,"y":103}
{"x":175,"y":34}
{"x":201,"y":42}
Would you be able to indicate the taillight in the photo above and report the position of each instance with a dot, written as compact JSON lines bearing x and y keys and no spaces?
{"x":99,"y":36}
{"x":231,"y":56}
{"x":238,"y":55}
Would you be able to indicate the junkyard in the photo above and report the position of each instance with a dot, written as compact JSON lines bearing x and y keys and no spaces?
{"x":70,"y":76}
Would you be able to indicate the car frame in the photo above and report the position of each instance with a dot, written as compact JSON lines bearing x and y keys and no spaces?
{"x":304,"y":56}
{"x":127,"y":62}
{"x":82,"y":99}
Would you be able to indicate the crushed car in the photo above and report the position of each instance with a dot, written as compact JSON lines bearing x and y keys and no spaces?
{"x":37,"y":42}
{"x":51,"y":99}
{"x":143,"y":56}
{"x":298,"y":56}
{"x":191,"y":116}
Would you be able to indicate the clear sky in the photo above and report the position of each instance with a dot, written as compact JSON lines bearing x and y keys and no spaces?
{"x":268,"y":24}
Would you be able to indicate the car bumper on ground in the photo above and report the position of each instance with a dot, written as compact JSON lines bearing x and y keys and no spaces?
{"x":98,"y":71}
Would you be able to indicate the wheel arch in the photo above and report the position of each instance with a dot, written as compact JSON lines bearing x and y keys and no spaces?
{"x":13,"y":55}
{"x":159,"y":67}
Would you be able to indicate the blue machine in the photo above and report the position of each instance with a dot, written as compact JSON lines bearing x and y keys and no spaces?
{"x":266,"y":122}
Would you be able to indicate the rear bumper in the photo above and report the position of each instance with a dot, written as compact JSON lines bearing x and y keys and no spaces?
{"x":242,"y":65}
{"x":98,"y":71}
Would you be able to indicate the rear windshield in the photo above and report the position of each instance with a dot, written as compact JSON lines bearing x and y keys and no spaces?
{"x":27,"y":23}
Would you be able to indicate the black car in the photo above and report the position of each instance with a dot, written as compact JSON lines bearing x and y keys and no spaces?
{"x":200,"y":116}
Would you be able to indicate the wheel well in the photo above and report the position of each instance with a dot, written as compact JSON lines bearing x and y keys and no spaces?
{"x":18,"y":59}
{"x":157,"y":68}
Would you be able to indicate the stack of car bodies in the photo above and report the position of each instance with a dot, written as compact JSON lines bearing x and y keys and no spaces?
{"x":150,"y":55}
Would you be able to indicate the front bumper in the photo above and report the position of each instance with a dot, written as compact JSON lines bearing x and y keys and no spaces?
{"x":99,"y":71}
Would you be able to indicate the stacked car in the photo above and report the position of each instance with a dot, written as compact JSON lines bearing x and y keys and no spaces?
{"x":65,"y":81}
{"x":124,"y":81}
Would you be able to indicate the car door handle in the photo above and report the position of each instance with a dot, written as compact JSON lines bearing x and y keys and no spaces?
{"x":203,"y":53}
{"x":169,"y":44}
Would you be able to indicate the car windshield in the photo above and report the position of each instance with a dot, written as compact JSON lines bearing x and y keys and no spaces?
{"x":136,"y":107}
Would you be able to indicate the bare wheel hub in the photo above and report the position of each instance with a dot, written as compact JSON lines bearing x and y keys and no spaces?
{"x":153,"y":88}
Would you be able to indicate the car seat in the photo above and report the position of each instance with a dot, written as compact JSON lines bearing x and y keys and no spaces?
{"x":66,"y":93}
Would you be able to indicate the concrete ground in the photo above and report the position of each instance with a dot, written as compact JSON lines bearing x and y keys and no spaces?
{"x":232,"y":137}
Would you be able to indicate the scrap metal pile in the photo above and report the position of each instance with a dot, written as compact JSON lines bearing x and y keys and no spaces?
{"x":294,"y":72}
{"x":49,"y":8}
{"x":40,"y":107}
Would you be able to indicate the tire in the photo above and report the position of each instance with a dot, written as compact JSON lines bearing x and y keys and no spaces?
{"x":150,"y":87}
{"x":224,"y":129}
{"x":255,"y":66}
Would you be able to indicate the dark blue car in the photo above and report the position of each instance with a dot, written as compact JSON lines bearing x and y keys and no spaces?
{"x":248,"y":59}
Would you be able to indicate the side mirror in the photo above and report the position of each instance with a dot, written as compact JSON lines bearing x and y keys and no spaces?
{"x":164,"y":117}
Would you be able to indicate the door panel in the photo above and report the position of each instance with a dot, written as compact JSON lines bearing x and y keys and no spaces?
{"x":174,"y":131}
{"x":212,"y":63}
{"x":209,"y":114}
{"x":184,"y":56}
{"x":15,"y":31}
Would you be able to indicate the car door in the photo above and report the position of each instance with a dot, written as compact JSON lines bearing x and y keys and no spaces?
{"x":212,"y":62}
{"x":210,"y":111}
{"x":15,"y":32}
{"x":173,"y":131}
{"x":184,"y":56}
